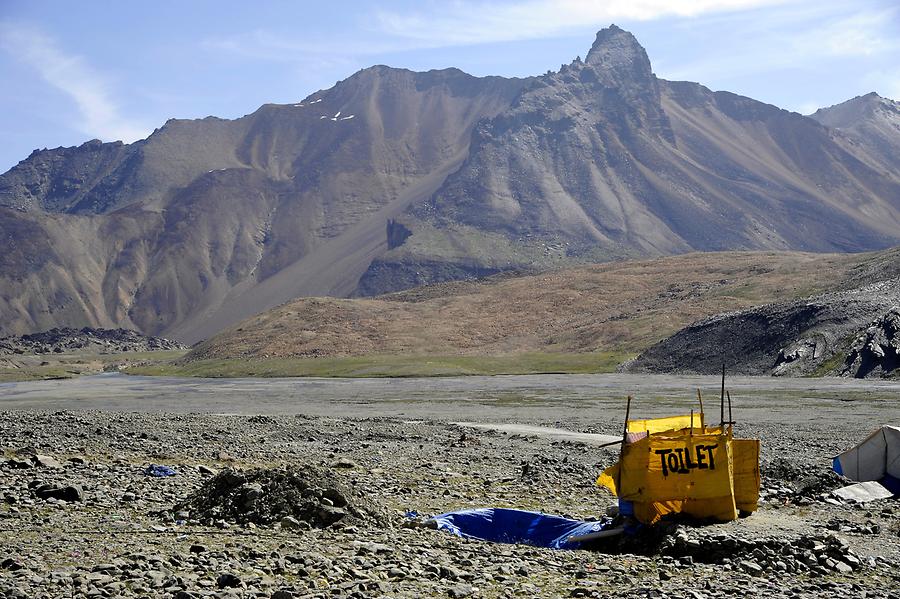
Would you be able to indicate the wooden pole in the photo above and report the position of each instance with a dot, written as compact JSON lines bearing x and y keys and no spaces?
{"x":627,"y":416}
{"x":730,"y":419}
{"x":622,"y":446}
{"x":722,"y":398}
{"x":700,"y":397}
{"x":692,"y":422}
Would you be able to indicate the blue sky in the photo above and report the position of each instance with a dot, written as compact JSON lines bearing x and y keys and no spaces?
{"x":73,"y":71}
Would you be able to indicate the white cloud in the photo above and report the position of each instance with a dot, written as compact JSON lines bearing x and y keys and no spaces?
{"x":861,"y":34}
{"x":798,"y":36}
{"x":473,"y":22}
{"x":464,"y":22}
{"x":71,"y":74}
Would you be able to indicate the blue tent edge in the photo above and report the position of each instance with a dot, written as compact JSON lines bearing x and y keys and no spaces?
{"x":891,"y":483}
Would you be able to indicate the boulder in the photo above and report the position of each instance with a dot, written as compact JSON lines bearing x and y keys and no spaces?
{"x":68,"y":493}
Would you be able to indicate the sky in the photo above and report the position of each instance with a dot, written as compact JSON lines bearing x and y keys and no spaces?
{"x":112,"y":70}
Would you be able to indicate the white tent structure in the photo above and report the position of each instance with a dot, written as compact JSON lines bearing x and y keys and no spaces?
{"x":877,"y":457}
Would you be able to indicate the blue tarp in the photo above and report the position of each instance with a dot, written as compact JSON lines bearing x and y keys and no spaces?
{"x":160,"y":471}
{"x":502,"y":525}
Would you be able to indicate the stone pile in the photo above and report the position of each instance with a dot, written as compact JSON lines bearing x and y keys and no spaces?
{"x":783,"y":483}
{"x":295,"y":497}
{"x":806,"y":553}
{"x":844,"y":525}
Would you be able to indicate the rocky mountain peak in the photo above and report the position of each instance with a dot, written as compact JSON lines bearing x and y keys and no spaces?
{"x":885,"y":104}
{"x":618,"y":53}
{"x":868,"y":102}
{"x":858,"y":109}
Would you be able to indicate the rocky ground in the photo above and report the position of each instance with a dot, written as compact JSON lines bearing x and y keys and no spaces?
{"x":302,"y":506}
{"x":61,"y":340}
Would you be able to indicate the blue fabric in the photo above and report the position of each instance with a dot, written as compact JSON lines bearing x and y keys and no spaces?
{"x":160,"y":471}
{"x":836,"y":466}
{"x":891,"y":483}
{"x":502,"y":525}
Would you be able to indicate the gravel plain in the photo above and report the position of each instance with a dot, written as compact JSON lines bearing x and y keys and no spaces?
{"x":80,"y":518}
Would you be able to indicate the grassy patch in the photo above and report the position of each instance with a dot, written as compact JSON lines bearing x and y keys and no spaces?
{"x":64,"y":366}
{"x":37,"y":373}
{"x":829,"y":366}
{"x":391,"y":365}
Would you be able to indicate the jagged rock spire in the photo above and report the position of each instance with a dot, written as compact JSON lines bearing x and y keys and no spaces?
{"x":618,"y":53}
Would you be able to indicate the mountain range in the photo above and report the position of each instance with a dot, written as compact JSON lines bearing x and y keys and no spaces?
{"x":393,"y":179}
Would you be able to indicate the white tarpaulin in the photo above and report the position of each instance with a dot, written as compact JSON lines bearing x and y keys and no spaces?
{"x":863,"y":492}
{"x":877,"y":456}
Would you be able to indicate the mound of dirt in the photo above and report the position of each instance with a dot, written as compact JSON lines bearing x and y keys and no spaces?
{"x":782,"y":469}
{"x":302,"y":496}
{"x":789,"y":480}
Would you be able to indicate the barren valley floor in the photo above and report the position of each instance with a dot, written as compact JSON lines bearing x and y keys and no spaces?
{"x":395,"y":444}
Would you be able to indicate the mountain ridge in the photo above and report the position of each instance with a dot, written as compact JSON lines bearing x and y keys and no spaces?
{"x":392,"y":179}
{"x":775,"y":189}
{"x":201,"y":242}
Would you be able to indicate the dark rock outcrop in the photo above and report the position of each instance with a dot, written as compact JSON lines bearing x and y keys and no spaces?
{"x":795,"y":338}
{"x":62,"y":340}
{"x":67,"y":493}
{"x":385,"y":277}
{"x":876,"y":352}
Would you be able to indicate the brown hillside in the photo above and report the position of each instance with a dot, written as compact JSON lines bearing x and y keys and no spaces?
{"x":623,"y":306}
{"x":392,"y":179}
{"x":207,"y":222}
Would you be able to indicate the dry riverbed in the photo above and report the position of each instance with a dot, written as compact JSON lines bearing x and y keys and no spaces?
{"x":113,"y":531}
